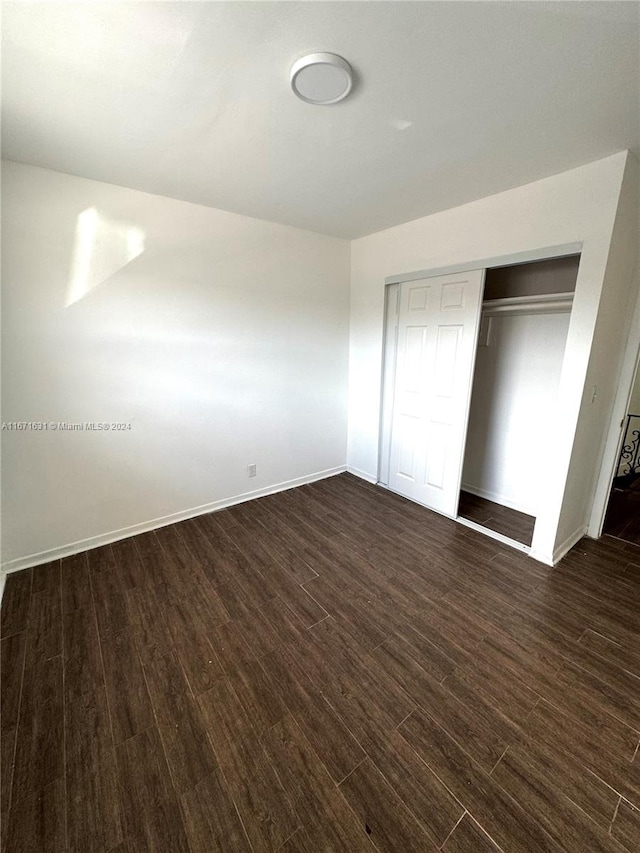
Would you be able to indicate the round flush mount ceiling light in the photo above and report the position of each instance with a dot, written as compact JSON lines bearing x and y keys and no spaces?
{"x":321,"y":78}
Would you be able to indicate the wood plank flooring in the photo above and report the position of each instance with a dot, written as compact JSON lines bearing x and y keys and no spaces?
{"x":331,"y":668}
{"x":623,"y":513}
{"x":516,"y":525}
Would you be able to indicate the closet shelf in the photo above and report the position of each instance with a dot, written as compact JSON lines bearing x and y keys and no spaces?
{"x":545,"y":303}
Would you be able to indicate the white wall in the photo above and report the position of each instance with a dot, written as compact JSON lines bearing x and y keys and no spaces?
{"x":617,"y":300}
{"x":634,"y":402}
{"x":515,"y":387}
{"x":575,"y":206}
{"x":224,"y":342}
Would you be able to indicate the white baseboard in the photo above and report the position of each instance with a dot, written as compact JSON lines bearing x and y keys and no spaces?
{"x":154,"y":523}
{"x":370,"y":478}
{"x":496,"y":498}
{"x":569,"y":542}
{"x":560,"y":550}
{"x":2,"y":580}
{"x":542,"y":557}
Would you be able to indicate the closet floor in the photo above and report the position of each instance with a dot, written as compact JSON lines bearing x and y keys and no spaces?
{"x":327,"y":668}
{"x":516,"y":525}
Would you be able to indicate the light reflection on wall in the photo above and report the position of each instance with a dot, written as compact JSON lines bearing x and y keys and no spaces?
{"x":102,"y":247}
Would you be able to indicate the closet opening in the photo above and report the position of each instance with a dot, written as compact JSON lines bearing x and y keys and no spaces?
{"x":523,"y":330}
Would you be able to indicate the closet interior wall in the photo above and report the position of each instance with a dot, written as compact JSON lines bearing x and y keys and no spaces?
{"x":517,"y":372}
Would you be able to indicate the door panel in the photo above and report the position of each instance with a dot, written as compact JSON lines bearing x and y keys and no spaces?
{"x":391,"y":311}
{"x":437,"y":330}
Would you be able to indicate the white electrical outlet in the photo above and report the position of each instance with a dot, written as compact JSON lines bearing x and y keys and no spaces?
{"x":251,"y":470}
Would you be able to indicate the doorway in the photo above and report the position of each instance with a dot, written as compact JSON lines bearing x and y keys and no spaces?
{"x":622,"y":518}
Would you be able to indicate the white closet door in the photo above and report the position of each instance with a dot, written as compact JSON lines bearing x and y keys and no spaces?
{"x":437,"y":331}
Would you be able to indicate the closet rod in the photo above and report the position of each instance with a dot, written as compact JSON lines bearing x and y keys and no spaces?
{"x":545,"y":303}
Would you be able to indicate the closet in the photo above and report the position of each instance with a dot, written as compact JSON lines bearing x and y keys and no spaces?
{"x":472,"y":364}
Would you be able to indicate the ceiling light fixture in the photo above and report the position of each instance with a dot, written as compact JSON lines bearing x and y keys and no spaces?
{"x":321,"y":78}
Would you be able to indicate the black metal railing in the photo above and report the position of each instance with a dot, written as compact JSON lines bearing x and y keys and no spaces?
{"x":629,"y":460}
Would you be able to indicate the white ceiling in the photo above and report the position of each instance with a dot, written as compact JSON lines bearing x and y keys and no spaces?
{"x":453,"y":101}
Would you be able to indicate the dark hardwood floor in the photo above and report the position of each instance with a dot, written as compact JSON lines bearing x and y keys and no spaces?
{"x":331,"y":668}
{"x":516,"y":525}
{"x":623,"y":513}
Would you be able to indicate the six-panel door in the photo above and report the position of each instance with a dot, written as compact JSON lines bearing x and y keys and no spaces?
{"x":437,"y":332}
